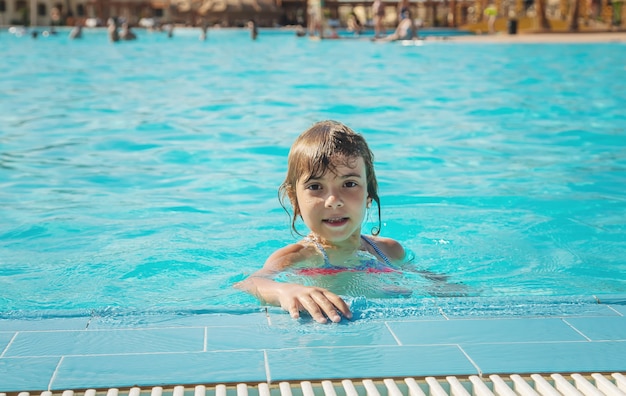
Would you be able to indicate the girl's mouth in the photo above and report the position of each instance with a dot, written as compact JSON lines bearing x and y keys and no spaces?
{"x":336,"y":221}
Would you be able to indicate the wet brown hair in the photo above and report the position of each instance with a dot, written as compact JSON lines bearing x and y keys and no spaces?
{"x":320,"y":149}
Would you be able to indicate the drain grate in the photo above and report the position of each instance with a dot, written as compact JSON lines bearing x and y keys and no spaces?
{"x":494,"y":385}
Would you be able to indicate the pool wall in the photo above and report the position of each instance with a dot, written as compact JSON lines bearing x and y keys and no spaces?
{"x":268,"y":346}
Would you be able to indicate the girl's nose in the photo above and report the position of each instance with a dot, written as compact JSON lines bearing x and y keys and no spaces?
{"x":333,"y":201}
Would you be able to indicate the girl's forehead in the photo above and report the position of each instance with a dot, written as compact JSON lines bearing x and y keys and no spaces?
{"x":341,"y":161}
{"x":348,"y":162}
{"x":338,"y":166}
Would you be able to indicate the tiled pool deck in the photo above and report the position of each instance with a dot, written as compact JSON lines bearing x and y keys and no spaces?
{"x":268,"y":346}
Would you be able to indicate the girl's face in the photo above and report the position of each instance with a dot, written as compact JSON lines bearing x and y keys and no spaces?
{"x":333,"y":206}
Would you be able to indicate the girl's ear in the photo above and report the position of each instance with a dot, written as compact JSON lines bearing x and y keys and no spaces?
{"x":369,"y":203}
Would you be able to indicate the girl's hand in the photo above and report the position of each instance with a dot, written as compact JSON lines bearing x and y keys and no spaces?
{"x":318,"y":302}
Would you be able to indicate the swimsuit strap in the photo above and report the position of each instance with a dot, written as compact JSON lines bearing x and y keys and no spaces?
{"x":372,"y":266}
{"x":319,"y":247}
{"x":327,"y":263}
{"x":376,"y":249}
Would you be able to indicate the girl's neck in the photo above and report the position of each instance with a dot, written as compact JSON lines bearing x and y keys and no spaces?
{"x":346,"y":247}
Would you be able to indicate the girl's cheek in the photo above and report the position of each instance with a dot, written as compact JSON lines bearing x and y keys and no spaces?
{"x":308,"y":201}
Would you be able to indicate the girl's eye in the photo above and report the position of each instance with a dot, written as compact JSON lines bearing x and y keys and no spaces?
{"x":314,"y":187}
{"x":350,"y":184}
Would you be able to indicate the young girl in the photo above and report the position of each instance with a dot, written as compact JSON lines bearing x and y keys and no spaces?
{"x":330,"y":185}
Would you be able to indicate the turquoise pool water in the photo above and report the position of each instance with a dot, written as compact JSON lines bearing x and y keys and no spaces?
{"x":142,"y":176}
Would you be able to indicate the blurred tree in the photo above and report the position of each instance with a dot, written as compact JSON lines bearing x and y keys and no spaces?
{"x":540,"y":6}
{"x":573,"y":16}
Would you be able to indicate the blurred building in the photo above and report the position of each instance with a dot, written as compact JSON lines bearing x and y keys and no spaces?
{"x":429,"y":13}
{"x":187,"y":12}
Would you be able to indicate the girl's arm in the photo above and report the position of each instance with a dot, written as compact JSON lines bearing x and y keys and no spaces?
{"x":292,"y":297}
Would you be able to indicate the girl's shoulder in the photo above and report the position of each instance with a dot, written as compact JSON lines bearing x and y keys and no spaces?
{"x":392,"y":248}
{"x":293,"y":255}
